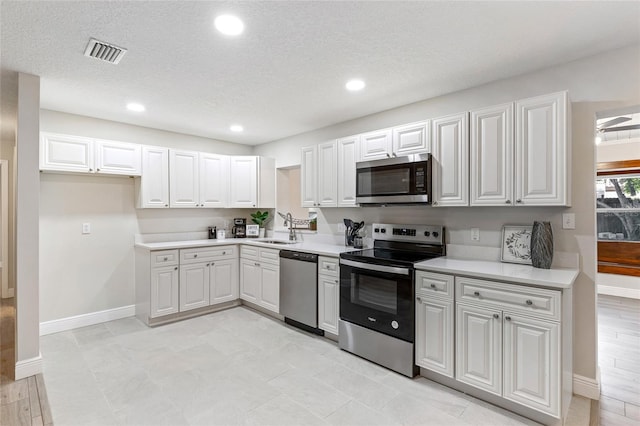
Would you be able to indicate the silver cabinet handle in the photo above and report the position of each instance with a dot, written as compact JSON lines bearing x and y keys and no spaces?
{"x":256,"y":264}
{"x":195,"y":255}
{"x":496,"y":316}
{"x":433,"y":286}
{"x":175,"y":269}
{"x":90,"y":170}
{"x":224,"y":252}
{"x":529,"y":302}
{"x":336,"y":281}
{"x":208,"y":264}
{"x":476,"y":293}
{"x":388,"y":156}
{"x":508,"y":202}
{"x":166,"y":205}
{"x":97,"y":170}
{"x":419,"y":299}
{"x":435,"y":203}
{"x":508,"y":318}
{"x":166,"y":258}
{"x":518,"y":200}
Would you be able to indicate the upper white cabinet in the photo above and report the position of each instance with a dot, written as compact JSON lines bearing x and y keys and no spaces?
{"x":347,"y":158}
{"x":376,"y":145}
{"x":411,"y":138}
{"x":153,"y":187}
{"x":199,"y":179}
{"x":528,"y":166}
{"x":319,"y":170}
{"x":67,"y":153}
{"x":450,"y":140}
{"x":542,"y":151}
{"x":491,"y":146}
{"x":252,"y":182}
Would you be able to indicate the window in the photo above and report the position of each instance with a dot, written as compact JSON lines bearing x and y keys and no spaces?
{"x":618,"y":207}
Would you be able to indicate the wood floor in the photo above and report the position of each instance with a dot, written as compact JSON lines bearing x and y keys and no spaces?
{"x":619,"y":360}
{"x":22,"y":402}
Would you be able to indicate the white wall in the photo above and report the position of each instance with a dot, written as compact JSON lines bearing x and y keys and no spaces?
{"x":88,"y":273}
{"x":595,"y":84}
{"x":619,"y":151}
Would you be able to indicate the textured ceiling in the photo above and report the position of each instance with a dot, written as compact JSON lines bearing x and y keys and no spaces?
{"x":285,"y":75}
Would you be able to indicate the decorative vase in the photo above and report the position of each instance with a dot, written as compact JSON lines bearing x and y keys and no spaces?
{"x":541,"y":245}
{"x":261,"y":232}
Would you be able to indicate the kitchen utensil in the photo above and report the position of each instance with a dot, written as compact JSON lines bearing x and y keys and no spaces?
{"x":212,"y":232}
{"x":348,"y":239}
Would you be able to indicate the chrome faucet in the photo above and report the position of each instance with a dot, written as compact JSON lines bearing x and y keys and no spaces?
{"x":292,"y":231}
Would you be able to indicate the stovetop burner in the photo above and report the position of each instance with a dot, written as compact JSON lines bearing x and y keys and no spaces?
{"x":400,"y":256}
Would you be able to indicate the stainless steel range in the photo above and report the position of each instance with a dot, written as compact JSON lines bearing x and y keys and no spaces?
{"x":377,"y":312}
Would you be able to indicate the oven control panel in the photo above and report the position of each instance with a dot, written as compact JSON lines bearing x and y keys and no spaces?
{"x":433,"y":234}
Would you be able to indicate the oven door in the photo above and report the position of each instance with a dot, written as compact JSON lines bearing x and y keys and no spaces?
{"x":378,"y":297}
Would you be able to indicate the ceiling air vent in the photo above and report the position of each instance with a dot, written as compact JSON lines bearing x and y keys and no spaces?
{"x":104,"y":51}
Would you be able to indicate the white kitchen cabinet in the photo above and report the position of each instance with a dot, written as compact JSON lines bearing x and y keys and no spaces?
{"x":224,"y":282}
{"x":184,"y":179}
{"x":252,"y":182}
{"x":434,"y":340}
{"x":491,"y":146}
{"x":260,"y":277}
{"x":152,"y":189}
{"x":164,"y":291}
{"x":214,"y":180}
{"x":376,"y":145}
{"x":411,"y":138}
{"x":347,"y":157}
{"x":479,"y":348}
{"x":77,"y":154}
{"x":328,"y":293}
{"x":450,"y":146}
{"x":194,"y":286}
{"x":118,"y":158}
{"x":318,"y":174}
{"x":542,"y":151}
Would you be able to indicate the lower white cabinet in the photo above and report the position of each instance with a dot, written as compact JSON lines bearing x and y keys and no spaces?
{"x":194,"y":286}
{"x":260,"y":277}
{"x":328,"y":294}
{"x":164,"y":291}
{"x":223,"y":281}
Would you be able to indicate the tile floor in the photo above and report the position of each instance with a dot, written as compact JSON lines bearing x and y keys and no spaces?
{"x":619,"y":360}
{"x":236,"y":367}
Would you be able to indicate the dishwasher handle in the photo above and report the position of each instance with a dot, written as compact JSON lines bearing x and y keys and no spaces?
{"x":297,"y":255}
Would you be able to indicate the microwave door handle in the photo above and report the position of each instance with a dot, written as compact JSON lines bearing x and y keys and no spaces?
{"x":373,"y":267}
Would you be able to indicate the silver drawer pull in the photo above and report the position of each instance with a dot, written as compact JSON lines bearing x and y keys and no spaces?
{"x":175,"y":269}
{"x":433,"y":286}
{"x":476,"y":293}
{"x":529,"y":302}
{"x":496,"y":316}
{"x":195,"y":255}
{"x":419,"y":299}
{"x":166,"y":258}
{"x":508,"y":318}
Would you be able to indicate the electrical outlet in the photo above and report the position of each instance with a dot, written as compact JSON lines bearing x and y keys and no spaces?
{"x":86,"y":228}
{"x":475,"y":234}
{"x":568,"y":221}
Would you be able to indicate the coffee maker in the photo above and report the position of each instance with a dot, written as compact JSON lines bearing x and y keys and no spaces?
{"x":239,"y":229}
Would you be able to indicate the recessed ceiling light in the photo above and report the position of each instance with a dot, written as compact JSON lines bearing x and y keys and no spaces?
{"x":133,"y":106}
{"x":236,"y":128}
{"x":229,"y":25}
{"x":355,"y":85}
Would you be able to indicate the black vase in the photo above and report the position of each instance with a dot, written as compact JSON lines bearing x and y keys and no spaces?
{"x":541,"y":245}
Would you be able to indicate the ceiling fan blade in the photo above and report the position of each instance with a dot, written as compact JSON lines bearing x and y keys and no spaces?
{"x":621,"y":128}
{"x":613,"y":122}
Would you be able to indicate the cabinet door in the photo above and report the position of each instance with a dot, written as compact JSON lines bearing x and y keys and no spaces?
{"x":309,"y":176}
{"x":375,"y":145}
{"x":183,"y":179}
{"x":327,"y":188}
{"x":154,"y":183}
{"x":214,"y":180}
{"x":542,"y":163}
{"x":491,"y":146}
{"x":250,"y":276}
{"x":66,"y":153}
{"x":434,"y":334}
{"x":532,"y":363}
{"x":328,"y":303}
{"x":347,"y":158}
{"x":270,"y":287}
{"x":244,"y":181}
{"x":164,"y":291}
{"x":223,"y":281}
{"x":479,"y":348}
{"x":194,"y":286}
{"x":450,"y":141}
{"x":411,"y":139}
{"x":118,"y":158}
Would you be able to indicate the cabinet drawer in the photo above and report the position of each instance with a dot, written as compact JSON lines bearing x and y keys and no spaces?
{"x":431,"y":284}
{"x":270,"y":256}
{"x":164,"y":258}
{"x":328,"y":266}
{"x":207,"y":253}
{"x":513,"y":297}
{"x":249,"y":252}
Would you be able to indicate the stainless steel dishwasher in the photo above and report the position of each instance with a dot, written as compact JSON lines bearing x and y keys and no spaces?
{"x":299,"y":290}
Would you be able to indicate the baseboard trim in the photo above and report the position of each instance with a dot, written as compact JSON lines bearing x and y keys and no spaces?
{"x":28,"y":367}
{"x":587,"y":387}
{"x":619,"y":291}
{"x":69,"y":323}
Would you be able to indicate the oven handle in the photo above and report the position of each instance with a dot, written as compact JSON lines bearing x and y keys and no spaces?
{"x":373,"y":267}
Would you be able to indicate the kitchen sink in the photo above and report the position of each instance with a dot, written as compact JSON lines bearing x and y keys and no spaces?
{"x":276,"y":242}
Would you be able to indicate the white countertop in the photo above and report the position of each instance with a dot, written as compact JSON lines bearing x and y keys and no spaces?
{"x":323,"y":249}
{"x":559,"y":278}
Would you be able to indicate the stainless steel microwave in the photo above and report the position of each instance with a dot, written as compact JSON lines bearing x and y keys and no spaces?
{"x":397,"y":180}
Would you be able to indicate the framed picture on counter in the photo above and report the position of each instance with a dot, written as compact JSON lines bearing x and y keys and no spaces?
{"x":516,"y":244}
